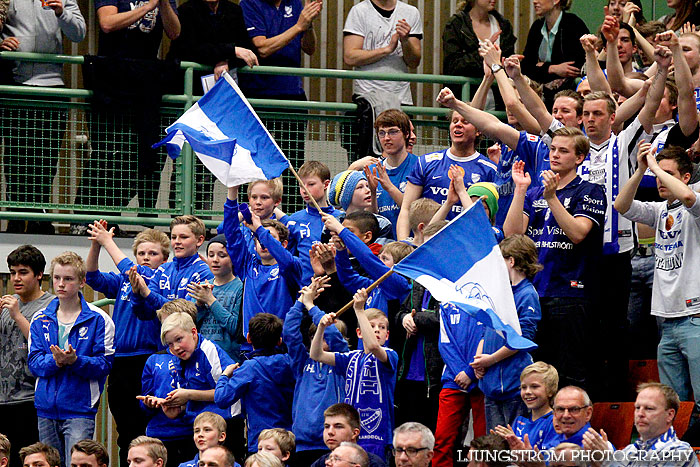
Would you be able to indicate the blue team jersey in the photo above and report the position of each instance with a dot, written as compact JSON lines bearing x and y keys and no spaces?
{"x":565,"y":263}
{"x":430,"y":172}
{"x":539,"y":432}
{"x":398,"y":176}
{"x":534,"y":153}
{"x":369,"y":387}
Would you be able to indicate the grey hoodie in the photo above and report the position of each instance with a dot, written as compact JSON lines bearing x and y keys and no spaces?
{"x":39,"y":30}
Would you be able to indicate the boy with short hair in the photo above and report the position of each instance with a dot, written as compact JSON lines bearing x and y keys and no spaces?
{"x":136,"y":337}
{"x":71,"y":349}
{"x":420,"y":212}
{"x":88,"y":452}
{"x":306,"y":225}
{"x":209,"y":430}
{"x":26,"y":264}
{"x":201,"y":362}
{"x":145,"y":451}
{"x":170,"y":279}
{"x":342,"y":424}
{"x":272,"y":274}
{"x":374,"y":367}
{"x":279,"y":442}
{"x":40,"y":453}
{"x":5,"y":448}
{"x":264,"y":383}
{"x":317,"y":386}
{"x":219,"y":304}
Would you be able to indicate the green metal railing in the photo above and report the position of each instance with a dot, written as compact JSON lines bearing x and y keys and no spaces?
{"x":32,"y":116}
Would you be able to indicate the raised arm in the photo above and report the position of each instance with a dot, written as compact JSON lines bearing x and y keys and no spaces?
{"x":662,"y":56}
{"x":616,"y":74}
{"x":110,"y":20}
{"x":687,"y":109}
{"x":629,"y":190}
{"x":516,"y":220}
{"x":316,"y":351}
{"x":484,"y":122}
{"x":532,"y":102}
{"x":412,"y":193}
{"x":595,"y":74}
{"x":369,"y":339}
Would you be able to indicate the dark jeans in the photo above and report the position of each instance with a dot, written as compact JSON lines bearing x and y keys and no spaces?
{"x":123,"y":387}
{"x":563,"y":337}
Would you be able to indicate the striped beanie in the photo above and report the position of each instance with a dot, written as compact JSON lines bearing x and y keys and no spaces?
{"x":343,"y":186}
{"x":489,"y":190}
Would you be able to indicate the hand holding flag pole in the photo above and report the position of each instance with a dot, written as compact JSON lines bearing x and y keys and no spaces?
{"x":368,"y":289}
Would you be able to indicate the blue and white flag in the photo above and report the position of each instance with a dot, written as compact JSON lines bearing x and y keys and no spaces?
{"x":462,"y":264}
{"x":227,"y":136}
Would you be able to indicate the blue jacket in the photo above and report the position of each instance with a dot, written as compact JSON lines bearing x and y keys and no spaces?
{"x":502,"y":380}
{"x":133,"y":336}
{"x":202,"y":371}
{"x":160,"y":376}
{"x":268,"y":289}
{"x":305,"y":229}
{"x":318,"y":386}
{"x":395,"y":287}
{"x":72,"y":391}
{"x":459,"y":339}
{"x":265,"y":386}
{"x":170,"y":282}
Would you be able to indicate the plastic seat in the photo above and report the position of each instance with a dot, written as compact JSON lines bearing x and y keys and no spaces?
{"x":617,"y":419}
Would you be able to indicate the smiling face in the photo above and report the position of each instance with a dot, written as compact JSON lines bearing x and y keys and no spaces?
{"x":615,"y":7}
{"x":542,"y":7}
{"x":462,"y":133}
{"x":570,"y":411}
{"x":207,"y":436}
{"x":261,"y":201}
{"x":181,"y":343}
{"x":564,"y":110}
{"x":184,"y":242}
{"x":625,"y":48}
{"x":218,"y":260}
{"x":25,"y":283}
{"x":651,"y":417}
{"x":149,"y":254}
{"x":534,"y":392}
{"x":66,"y":284}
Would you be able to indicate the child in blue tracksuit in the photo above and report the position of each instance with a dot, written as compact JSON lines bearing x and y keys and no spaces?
{"x":318,"y":386}
{"x":71,"y":349}
{"x":271,"y":275}
{"x":539,"y":383}
{"x":370,"y":374}
{"x":306,"y":226}
{"x":170,"y":279}
{"x":135,"y":339}
{"x":498,"y":366}
{"x":460,"y":334}
{"x":201,"y":362}
{"x":351,"y":232}
{"x":264,"y":383}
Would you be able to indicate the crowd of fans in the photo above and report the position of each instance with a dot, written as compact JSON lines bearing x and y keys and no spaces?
{"x":590,"y":192}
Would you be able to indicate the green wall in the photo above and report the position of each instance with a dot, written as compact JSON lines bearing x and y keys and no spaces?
{"x":591,"y":11}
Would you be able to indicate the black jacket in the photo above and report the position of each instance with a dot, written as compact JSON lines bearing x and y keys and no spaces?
{"x":428,"y":326}
{"x":567,"y":47}
{"x":461,"y":46}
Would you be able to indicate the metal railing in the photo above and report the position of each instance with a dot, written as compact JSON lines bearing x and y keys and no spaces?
{"x":89,"y":144}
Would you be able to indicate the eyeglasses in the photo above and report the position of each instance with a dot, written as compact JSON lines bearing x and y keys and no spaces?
{"x":572,"y":410}
{"x":333,"y":459}
{"x":410,"y":452}
{"x":393,"y":132}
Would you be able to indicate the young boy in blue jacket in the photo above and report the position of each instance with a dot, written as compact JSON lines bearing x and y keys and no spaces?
{"x":306,"y":226}
{"x":170,"y":279}
{"x":318,"y":386}
{"x":370,"y":374}
{"x":135,"y":339}
{"x":71,"y":349}
{"x":264,"y":383}
{"x":271,"y":275}
{"x":201,"y":363}
{"x":497,"y":366}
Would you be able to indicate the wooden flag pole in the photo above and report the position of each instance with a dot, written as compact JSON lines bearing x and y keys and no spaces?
{"x":296,"y":175}
{"x":368,"y":289}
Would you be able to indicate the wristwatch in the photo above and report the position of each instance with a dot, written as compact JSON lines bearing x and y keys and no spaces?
{"x":495,"y":68}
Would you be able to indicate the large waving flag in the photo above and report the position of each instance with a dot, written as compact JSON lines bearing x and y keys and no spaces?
{"x":227,"y":136}
{"x":462,"y":264}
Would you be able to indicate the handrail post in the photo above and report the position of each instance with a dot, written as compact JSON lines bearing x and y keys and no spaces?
{"x":466,"y":91}
{"x":187,"y":176}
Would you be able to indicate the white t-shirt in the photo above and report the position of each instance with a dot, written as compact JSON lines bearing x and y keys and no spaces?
{"x":676,"y":290}
{"x":364,"y":20}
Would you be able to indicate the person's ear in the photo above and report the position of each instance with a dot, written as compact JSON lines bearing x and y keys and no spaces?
{"x":326,"y":183}
{"x":286,"y":456}
{"x":367,"y":236}
{"x":355,"y":434}
{"x":200,"y":241}
{"x":284,"y":243}
{"x":222,"y":437}
{"x":247,"y":338}
{"x":359,"y":333}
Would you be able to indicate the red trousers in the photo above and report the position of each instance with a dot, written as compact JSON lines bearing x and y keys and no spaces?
{"x":454,"y":410}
